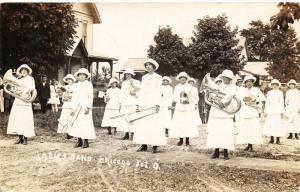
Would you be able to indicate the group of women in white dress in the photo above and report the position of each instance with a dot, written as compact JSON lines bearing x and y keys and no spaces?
{"x":154,"y":93}
{"x":173,"y":112}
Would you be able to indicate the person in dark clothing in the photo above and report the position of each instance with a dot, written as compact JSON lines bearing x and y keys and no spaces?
{"x":43,"y":93}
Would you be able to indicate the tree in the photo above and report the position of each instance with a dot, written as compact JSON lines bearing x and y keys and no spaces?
{"x":281,"y":48}
{"x":39,"y":33}
{"x":285,"y":55}
{"x":169,"y":51}
{"x":258,"y":41}
{"x":287,"y":14}
{"x":214,"y":47}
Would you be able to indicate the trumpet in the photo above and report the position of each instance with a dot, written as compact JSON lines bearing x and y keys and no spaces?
{"x":213,"y":96}
{"x":14,"y":88}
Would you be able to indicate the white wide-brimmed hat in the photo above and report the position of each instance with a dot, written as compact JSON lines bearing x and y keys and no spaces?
{"x":182,"y":74}
{"x":292,"y":81}
{"x":192,"y":79}
{"x":24,"y":66}
{"x":69,"y":76}
{"x":112,"y":80}
{"x":239,"y":78}
{"x":274,"y":81}
{"x":249,"y":77}
{"x":129,"y":71}
{"x":152,"y":61}
{"x":167,"y":78}
{"x":227,"y":73}
{"x":83,"y":71}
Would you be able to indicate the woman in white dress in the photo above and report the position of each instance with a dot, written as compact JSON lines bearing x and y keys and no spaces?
{"x":183,"y":122}
{"x":21,"y":116}
{"x":129,"y":96}
{"x":166,"y":103}
{"x":68,"y":104}
{"x":292,"y":103}
{"x":54,"y":99}
{"x":220,"y":124}
{"x":250,"y":131}
{"x":195,"y":95}
{"x":83,"y":127}
{"x":149,"y":130}
{"x":274,"y":108}
{"x":113,"y":105}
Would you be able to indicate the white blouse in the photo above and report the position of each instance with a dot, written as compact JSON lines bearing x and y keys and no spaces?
{"x":114,"y":95}
{"x":84,"y":94}
{"x":274,"y":102}
{"x":166,"y":95}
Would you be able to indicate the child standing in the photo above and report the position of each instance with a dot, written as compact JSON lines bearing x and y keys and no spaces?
{"x":113,"y":105}
{"x":54,"y":99}
{"x":67,"y":104}
{"x":166,"y":103}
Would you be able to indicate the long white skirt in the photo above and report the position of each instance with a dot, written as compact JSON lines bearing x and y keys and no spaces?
{"x":83,"y":126}
{"x":183,"y":124}
{"x":149,"y":131}
{"x":122,"y":124}
{"x":274,"y":126}
{"x":165,"y":116}
{"x":220,"y":133}
{"x":250,"y":131}
{"x":65,"y":114}
{"x":21,"y":120}
{"x":107,"y":121}
{"x":197,"y":118}
{"x":293,"y":124}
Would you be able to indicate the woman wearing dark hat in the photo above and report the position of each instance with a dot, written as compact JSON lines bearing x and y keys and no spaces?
{"x":21,"y":116}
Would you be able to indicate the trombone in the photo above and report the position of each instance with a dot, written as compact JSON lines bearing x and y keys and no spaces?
{"x":69,"y":122}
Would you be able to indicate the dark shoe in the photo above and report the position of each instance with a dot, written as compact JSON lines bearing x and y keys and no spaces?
{"x":296,"y":136}
{"x":180,"y":142}
{"x":79,"y":143}
{"x":131,"y":136}
{"x":271,"y":140}
{"x":142,"y":148}
{"x":24,"y":140}
{"x":247,"y":148}
{"x":154,"y":149}
{"x":187,"y":141}
{"x":69,"y":136}
{"x":85,"y":143}
{"x":290,"y":136}
{"x":109,"y":130}
{"x":115,"y":131}
{"x":216,"y":154}
{"x":167,"y":132}
{"x":126,"y":136}
{"x":20,"y":140}
{"x":277,"y":140}
{"x":226,"y":154}
{"x":250,"y":148}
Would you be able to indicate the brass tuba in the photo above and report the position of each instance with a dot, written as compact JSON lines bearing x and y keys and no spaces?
{"x":213,"y":96}
{"x":12,"y":87}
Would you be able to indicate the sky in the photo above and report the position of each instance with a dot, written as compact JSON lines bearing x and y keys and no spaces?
{"x":127,"y":29}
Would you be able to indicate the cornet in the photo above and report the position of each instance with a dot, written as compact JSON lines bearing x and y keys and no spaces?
{"x":213,"y":96}
{"x":12,"y":87}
